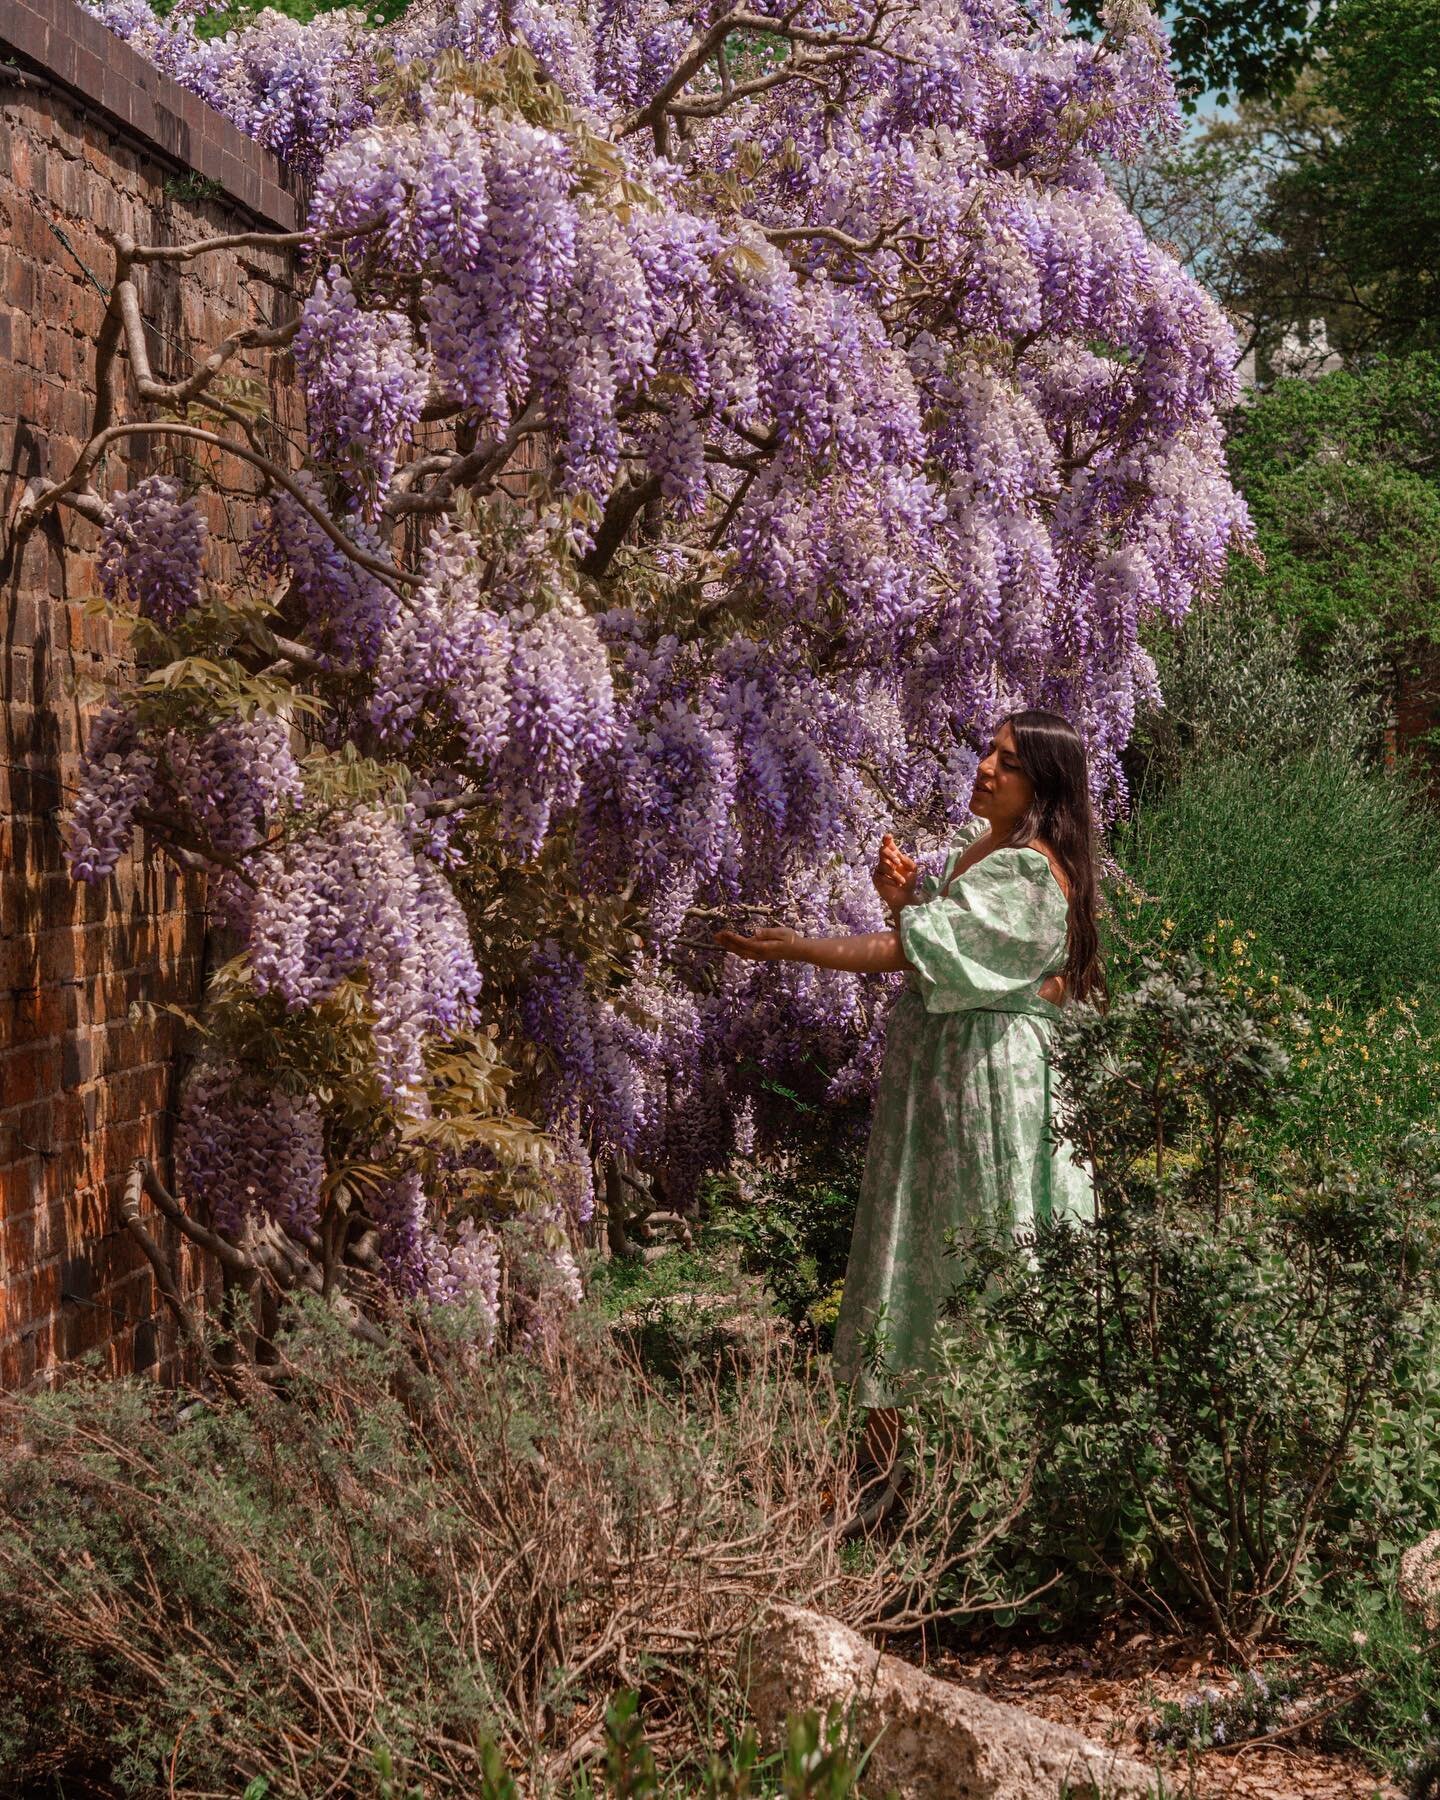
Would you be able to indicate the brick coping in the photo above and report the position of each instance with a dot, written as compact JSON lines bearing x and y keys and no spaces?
{"x":73,"y":49}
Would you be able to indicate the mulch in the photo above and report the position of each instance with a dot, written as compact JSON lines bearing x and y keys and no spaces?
{"x":1109,"y":1689}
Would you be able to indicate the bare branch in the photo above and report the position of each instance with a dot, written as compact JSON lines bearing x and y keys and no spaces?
{"x":33,"y":510}
{"x":123,"y":321}
{"x":705,"y":46}
{"x":179,"y":394}
{"x":465,"y":801}
{"x":165,"y":827}
{"x":831,"y":234}
{"x":143,"y":1171}
{"x":471,"y":469}
{"x":300,"y":656}
{"x":190,"y":861}
{"x":127,"y":1209}
{"x":695,"y":55}
{"x":737,"y":500}
{"x":250,"y":240}
{"x":620,"y":515}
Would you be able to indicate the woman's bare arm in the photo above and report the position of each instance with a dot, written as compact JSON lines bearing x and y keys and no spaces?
{"x":866,"y":953}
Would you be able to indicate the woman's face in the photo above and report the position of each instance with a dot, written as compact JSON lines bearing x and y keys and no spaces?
{"x":1003,"y":791}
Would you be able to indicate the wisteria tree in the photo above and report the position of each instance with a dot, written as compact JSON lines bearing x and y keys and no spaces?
{"x":854,"y":407}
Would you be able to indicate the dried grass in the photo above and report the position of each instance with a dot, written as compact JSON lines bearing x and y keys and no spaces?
{"x":279,"y":1581}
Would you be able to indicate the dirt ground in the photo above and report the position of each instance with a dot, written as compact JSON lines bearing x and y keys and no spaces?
{"x":1109,"y":1690}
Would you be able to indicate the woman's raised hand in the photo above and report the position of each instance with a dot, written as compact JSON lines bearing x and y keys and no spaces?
{"x":894,"y":874}
{"x":772,"y":943}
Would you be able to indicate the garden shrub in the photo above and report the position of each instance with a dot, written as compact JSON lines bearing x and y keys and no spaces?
{"x":818,"y":1761}
{"x":1357,"y":1080}
{"x":1337,"y":869}
{"x":1261,"y":1701}
{"x":1388,"y":1670}
{"x":402,"y":1549}
{"x":1238,"y":681}
{"x":793,"y":1220}
{"x":682,"y":1305}
{"x":1201,"y":1373}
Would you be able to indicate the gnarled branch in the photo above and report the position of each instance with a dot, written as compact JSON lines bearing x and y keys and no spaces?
{"x":34,"y":509}
{"x":128,"y":1210}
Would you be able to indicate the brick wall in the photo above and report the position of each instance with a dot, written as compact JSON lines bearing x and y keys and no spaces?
{"x":92,"y":141}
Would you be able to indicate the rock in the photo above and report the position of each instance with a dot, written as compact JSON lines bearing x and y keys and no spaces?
{"x":932,"y":1739}
{"x":1419,"y":1584}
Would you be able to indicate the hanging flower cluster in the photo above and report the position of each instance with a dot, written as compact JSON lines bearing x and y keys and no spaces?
{"x":152,"y":550}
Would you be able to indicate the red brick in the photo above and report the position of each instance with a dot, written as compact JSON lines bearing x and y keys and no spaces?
{"x":28,"y":1073}
{"x":17,"y":1242}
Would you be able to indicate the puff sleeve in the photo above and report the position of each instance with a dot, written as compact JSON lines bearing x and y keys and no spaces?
{"x":934,"y":872}
{"x":1000,"y":930}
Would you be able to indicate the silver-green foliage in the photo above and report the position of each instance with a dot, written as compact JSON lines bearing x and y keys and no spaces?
{"x":1238,"y":681}
{"x":396,"y":1569}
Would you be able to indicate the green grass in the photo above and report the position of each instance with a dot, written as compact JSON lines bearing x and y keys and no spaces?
{"x":1335,"y":868}
{"x":625,"y":1284}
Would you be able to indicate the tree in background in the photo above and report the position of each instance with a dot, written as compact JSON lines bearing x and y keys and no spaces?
{"x":1340,"y":474}
{"x":856,"y":408}
{"x":1354,"y":219}
{"x":1238,"y":49}
{"x":1211,"y":199}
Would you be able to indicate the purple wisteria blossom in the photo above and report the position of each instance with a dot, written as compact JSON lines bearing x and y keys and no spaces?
{"x":352,"y":899}
{"x":224,"y":786}
{"x":115,"y":781}
{"x":152,"y":550}
{"x":245,"y":1151}
{"x":365,"y":379}
{"x":768,"y":454}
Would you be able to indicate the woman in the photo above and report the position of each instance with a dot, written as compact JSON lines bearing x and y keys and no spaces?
{"x":960,"y":1138}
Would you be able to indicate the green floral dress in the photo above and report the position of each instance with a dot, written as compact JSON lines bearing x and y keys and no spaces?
{"x":959,"y":1141}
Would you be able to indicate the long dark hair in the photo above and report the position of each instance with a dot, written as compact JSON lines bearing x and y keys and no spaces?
{"x":1052,"y":755}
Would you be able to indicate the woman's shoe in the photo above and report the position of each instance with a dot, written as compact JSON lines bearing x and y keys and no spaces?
{"x":881,"y":1506}
{"x":868,"y":1478}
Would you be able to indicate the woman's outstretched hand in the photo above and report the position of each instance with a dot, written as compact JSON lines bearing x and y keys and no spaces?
{"x":772,"y":943}
{"x":894,"y":874}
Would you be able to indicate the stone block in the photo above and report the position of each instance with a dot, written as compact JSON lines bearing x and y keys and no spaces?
{"x":933,"y":1740}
